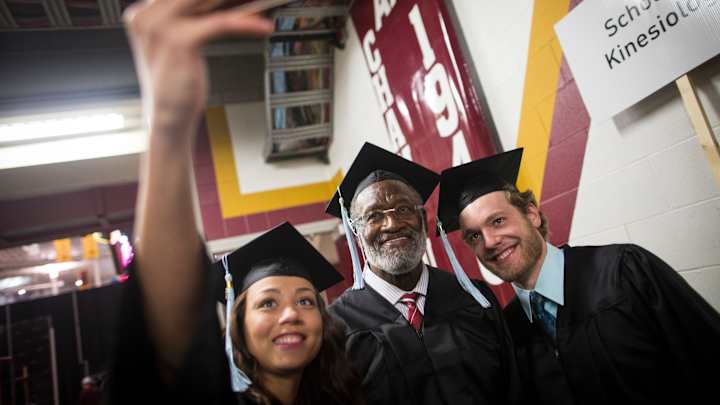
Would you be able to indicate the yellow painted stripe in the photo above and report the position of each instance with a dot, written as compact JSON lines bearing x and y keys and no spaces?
{"x":541,"y":79}
{"x":233,"y":202}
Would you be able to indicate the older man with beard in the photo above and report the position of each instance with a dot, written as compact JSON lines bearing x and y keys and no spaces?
{"x":414,"y":334}
{"x":607,"y":324}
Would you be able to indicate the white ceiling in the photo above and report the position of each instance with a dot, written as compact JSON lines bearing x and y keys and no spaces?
{"x":34,"y":181}
{"x":91,"y":68}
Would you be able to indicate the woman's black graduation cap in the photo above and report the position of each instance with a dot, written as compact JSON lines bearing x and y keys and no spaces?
{"x":461,"y":185}
{"x":282,"y":251}
{"x":374,"y":164}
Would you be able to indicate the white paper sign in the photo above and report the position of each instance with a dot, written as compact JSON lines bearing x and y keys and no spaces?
{"x":621,"y":51}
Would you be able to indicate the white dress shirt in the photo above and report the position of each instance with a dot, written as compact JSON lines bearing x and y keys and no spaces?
{"x":393,"y":293}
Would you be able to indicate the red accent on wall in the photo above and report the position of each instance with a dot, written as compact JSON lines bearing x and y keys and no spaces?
{"x":568,"y":139}
{"x":37,"y":219}
{"x":406,"y":74}
{"x":217,"y":227}
{"x":557,"y":211}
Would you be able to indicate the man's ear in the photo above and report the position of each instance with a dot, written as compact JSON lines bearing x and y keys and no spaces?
{"x":533,"y":215}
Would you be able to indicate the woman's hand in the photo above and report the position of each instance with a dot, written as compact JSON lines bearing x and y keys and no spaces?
{"x":166,"y":37}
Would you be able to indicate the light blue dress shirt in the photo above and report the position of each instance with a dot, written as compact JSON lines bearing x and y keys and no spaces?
{"x":550,"y":283}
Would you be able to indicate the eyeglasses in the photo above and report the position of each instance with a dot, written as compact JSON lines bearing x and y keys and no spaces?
{"x":402,"y":212}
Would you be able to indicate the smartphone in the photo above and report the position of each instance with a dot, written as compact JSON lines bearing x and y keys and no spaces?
{"x":258,"y":6}
{"x":249,"y":6}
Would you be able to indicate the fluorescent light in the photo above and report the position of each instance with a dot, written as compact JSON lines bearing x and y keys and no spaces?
{"x":55,"y":268}
{"x":12,"y":282}
{"x":68,"y":150}
{"x":87,"y":132}
{"x":83,"y":124}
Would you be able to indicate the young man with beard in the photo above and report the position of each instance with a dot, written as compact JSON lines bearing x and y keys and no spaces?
{"x":414,"y":334}
{"x":592,"y":325}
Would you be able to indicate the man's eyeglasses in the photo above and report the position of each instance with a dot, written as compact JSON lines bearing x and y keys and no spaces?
{"x":402,"y":212}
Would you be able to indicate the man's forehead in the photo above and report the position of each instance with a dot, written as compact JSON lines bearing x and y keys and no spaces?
{"x":484,"y":207}
{"x":385,"y":191}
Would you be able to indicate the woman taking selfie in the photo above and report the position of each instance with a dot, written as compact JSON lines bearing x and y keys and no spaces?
{"x":169,"y":342}
{"x":286,"y":346}
{"x":286,"y":342}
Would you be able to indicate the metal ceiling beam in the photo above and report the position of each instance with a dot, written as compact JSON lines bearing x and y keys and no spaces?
{"x":57,"y":13}
{"x":110,"y":12}
{"x":105,"y":12}
{"x":116,"y":10}
{"x":63,"y":13}
{"x":6,"y":18}
{"x":50,"y":13}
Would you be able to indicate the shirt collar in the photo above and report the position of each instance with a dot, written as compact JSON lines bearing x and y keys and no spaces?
{"x":550,"y":282}
{"x":391,"y":292}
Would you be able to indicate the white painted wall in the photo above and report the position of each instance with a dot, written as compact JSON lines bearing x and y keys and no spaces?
{"x":646,"y":181}
{"x":497,"y":36}
{"x":356,"y":113}
{"x":247,"y":125}
{"x":357,"y":119}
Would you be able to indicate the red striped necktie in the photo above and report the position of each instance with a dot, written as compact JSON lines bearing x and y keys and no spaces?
{"x":414,"y":314}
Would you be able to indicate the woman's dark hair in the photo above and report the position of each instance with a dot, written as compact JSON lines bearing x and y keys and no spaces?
{"x":327,"y":379}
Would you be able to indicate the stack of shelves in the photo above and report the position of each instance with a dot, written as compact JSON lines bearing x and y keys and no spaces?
{"x":298,"y":80}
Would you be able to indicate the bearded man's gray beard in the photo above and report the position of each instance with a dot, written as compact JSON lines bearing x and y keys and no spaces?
{"x":396,"y":260}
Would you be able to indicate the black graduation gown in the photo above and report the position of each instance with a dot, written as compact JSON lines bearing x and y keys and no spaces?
{"x":464,"y":356}
{"x":631,"y":330}
{"x":204,"y":377}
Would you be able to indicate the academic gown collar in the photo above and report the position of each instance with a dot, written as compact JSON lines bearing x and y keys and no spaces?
{"x":585,"y":288}
{"x":550,"y":282}
{"x":444,"y":295}
{"x":591,"y":281}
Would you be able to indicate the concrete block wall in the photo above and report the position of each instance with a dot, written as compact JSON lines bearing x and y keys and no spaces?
{"x":642,"y":176}
{"x":646,"y":181}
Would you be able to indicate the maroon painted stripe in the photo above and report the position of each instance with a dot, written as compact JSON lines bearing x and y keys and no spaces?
{"x":566,"y":152}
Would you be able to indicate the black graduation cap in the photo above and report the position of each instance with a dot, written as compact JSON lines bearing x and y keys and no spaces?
{"x":474,"y":179}
{"x":282,"y":251}
{"x":374,"y":164}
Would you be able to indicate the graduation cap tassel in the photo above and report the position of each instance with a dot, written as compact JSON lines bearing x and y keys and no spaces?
{"x":358,"y":282}
{"x":462,"y":278}
{"x":240,"y":380}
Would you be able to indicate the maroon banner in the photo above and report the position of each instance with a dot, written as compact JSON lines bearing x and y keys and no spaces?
{"x":430,"y":107}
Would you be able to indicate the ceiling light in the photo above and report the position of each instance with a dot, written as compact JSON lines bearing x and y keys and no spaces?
{"x":49,"y":128}
{"x":22,"y":291}
{"x":13,"y":282}
{"x":59,"y":267}
{"x":78,"y":283}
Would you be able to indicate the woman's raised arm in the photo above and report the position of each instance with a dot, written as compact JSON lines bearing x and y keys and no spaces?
{"x":166,"y":38}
